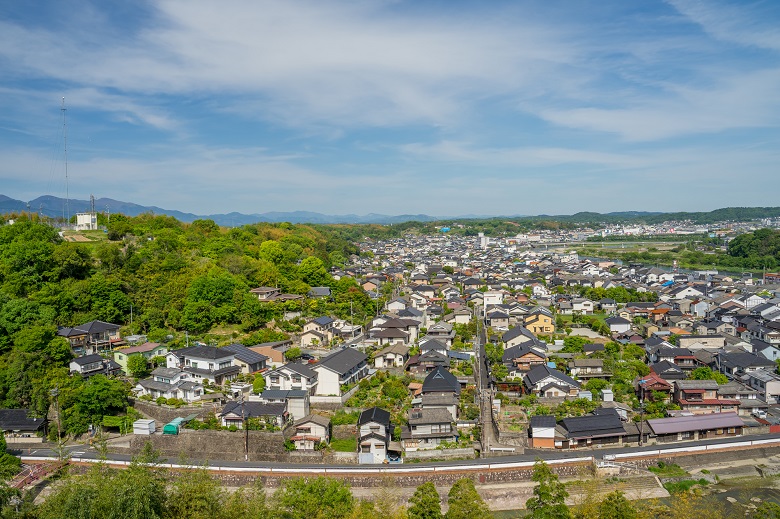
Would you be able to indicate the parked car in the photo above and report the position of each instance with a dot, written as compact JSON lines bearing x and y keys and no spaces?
{"x":760,"y":414}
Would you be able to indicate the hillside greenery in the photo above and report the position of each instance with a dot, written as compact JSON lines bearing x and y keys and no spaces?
{"x":157,"y":276}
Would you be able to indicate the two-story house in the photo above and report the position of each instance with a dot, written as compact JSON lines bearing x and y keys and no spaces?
{"x":539,"y":321}
{"x":170,"y":383}
{"x":346,"y":366}
{"x":394,"y":356}
{"x":374,"y":433}
{"x":147,"y":350}
{"x":701,"y":397}
{"x":205,"y":363}
{"x":520,"y":359}
{"x":92,"y":337}
{"x":247,"y":360}
{"x":428,"y":428}
{"x":310,"y":431}
{"x":292,"y":376}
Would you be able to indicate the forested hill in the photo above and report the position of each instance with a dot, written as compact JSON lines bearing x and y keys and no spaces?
{"x":170,"y":276}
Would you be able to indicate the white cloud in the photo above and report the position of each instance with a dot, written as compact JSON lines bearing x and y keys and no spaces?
{"x":746,"y":23}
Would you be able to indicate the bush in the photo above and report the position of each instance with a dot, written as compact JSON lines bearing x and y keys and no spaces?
{"x":233,"y":428}
{"x":161,"y":400}
{"x":342,"y":418}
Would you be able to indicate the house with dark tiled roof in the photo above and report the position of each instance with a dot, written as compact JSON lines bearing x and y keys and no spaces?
{"x":247,"y":360}
{"x":19,"y":427}
{"x":549,"y":382}
{"x":344,"y":367}
{"x":374,"y":433}
{"x":92,"y":337}
{"x":292,"y":376}
{"x":428,"y":428}
{"x":603,"y":427}
{"x":701,"y":397}
{"x":205,"y":363}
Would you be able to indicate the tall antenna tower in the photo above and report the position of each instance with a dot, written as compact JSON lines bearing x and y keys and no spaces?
{"x":65,"y":147}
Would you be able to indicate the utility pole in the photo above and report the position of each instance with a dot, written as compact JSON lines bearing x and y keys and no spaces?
{"x":246,"y":429}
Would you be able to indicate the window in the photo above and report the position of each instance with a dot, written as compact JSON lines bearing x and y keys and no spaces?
{"x":719,"y":431}
{"x":731,"y":430}
{"x":686,"y":435}
{"x":211,"y":365}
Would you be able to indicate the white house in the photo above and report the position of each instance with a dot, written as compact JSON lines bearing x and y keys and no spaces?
{"x":309,"y":431}
{"x":292,"y":376}
{"x":346,"y":366}
{"x":373,"y":435}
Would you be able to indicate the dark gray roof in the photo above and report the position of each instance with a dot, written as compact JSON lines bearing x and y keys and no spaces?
{"x":283,"y":394}
{"x":87,"y":359}
{"x":542,"y":371}
{"x":606,"y":423}
{"x":254,"y":409}
{"x":699,"y":422}
{"x":343,"y":360}
{"x":440,"y":380}
{"x":244,"y":354}
{"x":301,"y":369}
{"x":375,"y":414}
{"x":543,"y":421}
{"x":18,"y":420}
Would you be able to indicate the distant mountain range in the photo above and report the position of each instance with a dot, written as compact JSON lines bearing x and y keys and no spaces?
{"x":54,"y":207}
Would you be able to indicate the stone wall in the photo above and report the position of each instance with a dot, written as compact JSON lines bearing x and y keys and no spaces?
{"x":164,"y":414}
{"x":440,"y":454}
{"x":213,"y":445}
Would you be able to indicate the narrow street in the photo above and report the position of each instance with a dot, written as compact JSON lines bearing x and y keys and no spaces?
{"x":484,"y":393}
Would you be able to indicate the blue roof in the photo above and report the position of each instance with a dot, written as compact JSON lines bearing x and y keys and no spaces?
{"x":668,"y":283}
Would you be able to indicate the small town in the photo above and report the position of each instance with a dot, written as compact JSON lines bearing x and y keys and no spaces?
{"x":449,"y":348}
{"x":389,"y":259}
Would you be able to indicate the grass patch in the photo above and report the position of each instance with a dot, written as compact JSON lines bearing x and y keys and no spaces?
{"x":668,"y":470}
{"x":344,"y":445}
{"x":679,"y":487}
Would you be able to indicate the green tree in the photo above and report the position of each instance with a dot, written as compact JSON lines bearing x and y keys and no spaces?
{"x":138,"y":366}
{"x":616,"y":506}
{"x":465,"y":502}
{"x":293,"y":354}
{"x":549,"y":495}
{"x":706,"y":373}
{"x":318,"y":498}
{"x":425,"y":503}
{"x":258,"y":384}
{"x":195,"y":494}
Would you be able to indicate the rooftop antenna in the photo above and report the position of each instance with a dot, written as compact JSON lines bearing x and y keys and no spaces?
{"x":65,"y":147}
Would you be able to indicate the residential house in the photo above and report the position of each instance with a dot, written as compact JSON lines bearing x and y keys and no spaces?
{"x":696,"y":427}
{"x":701,"y":397}
{"x":394,"y":356}
{"x":428,"y":428}
{"x":274,"y":351}
{"x":247,"y":360}
{"x":310,"y":431}
{"x":440,"y":382}
{"x":519,"y":335}
{"x":90,"y":365}
{"x":92,"y":337}
{"x":443,"y":332}
{"x":170,"y":383}
{"x":234,"y":413}
{"x":588,"y":368}
{"x":296,"y":401}
{"x":374,"y":433}
{"x":603,"y":427}
{"x":549,"y":382}
{"x":205,"y":363}
{"x":653,"y":386}
{"x":18,"y":427}
{"x":520,"y":359}
{"x":618,"y":324}
{"x":147,"y":350}
{"x":292,"y":376}
{"x":539,"y":321}
{"x":346,"y":366}
{"x":541,"y":432}
{"x":767,"y":383}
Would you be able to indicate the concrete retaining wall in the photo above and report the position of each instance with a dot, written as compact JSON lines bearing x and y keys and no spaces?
{"x":164,"y":414}
{"x":440,"y":454}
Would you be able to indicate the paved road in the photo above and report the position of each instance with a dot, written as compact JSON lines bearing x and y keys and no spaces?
{"x":82,"y":452}
{"x":484,"y":393}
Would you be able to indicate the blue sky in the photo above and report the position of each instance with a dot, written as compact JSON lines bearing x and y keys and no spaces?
{"x":436,"y":107}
